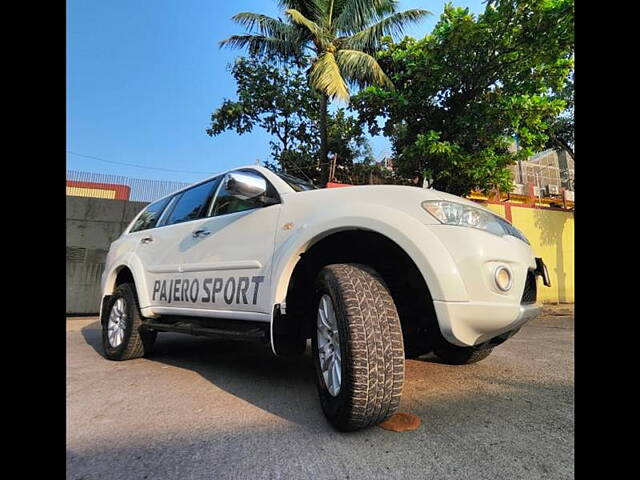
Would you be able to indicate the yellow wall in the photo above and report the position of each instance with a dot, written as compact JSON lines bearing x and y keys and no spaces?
{"x":499,"y":209}
{"x":551,"y":235}
{"x":91,"y":192}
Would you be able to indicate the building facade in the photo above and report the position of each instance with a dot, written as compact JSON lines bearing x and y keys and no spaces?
{"x":550,"y":172}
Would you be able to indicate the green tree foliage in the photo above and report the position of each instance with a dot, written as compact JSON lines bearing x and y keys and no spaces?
{"x":561,"y":132}
{"x":347,"y":139}
{"x":465,"y":91}
{"x":341,"y":36}
{"x":278,"y":99}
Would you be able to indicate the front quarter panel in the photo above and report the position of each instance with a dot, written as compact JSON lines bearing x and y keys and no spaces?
{"x":457,"y":263}
{"x":426,"y":250}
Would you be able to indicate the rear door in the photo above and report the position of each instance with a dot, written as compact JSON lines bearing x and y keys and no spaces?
{"x":160,"y":249}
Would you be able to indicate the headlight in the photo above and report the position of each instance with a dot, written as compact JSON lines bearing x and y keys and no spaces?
{"x":451,"y":213}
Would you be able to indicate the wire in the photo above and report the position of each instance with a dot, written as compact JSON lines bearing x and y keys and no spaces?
{"x":301,"y":171}
{"x":138,"y":166}
{"x":166,"y":169}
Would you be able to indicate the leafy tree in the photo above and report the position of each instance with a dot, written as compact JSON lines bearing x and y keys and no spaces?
{"x":346,"y":139}
{"x":465,"y":91}
{"x":561,"y":131}
{"x":278,"y":99}
{"x":341,"y":34}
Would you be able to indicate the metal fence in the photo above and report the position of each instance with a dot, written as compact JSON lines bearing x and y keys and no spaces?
{"x":100,"y":185}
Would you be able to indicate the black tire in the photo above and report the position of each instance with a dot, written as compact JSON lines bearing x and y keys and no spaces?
{"x":371,"y":347}
{"x":453,"y":355}
{"x":136,"y":342}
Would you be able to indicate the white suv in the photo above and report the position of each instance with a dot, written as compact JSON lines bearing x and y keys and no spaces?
{"x":370,"y":274}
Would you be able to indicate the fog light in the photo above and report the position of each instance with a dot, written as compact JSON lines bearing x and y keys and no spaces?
{"x":503,"y":278}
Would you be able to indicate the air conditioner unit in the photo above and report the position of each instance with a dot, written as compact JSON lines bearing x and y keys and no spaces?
{"x":553,"y":189}
{"x":570,"y":195}
{"x":519,"y":189}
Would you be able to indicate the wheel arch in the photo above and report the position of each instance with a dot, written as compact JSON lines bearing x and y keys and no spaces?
{"x":118,"y":275}
{"x":429,"y":257}
{"x":428,"y":253}
{"x":125,"y":270}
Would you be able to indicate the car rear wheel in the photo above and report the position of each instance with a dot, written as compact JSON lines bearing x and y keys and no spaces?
{"x":122,"y":335}
{"x":357,"y":347}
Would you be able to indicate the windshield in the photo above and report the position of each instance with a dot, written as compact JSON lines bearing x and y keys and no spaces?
{"x":296,"y":183}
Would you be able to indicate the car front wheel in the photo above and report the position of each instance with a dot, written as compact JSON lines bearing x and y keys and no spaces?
{"x":357,"y":347}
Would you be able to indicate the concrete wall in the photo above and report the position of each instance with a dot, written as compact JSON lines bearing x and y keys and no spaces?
{"x":92,"y":224}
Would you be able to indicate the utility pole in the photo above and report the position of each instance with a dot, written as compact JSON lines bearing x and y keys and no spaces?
{"x":332,"y":167}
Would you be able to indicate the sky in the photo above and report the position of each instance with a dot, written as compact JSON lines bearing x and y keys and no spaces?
{"x":143,"y":78}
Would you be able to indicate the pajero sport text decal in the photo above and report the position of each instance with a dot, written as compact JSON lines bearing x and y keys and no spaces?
{"x":239,"y":290}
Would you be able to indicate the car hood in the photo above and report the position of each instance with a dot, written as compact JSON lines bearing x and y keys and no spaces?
{"x":397,"y":196}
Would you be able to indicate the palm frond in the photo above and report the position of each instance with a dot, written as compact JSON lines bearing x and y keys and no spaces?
{"x":300,"y":19}
{"x":261,"y":45}
{"x":394,"y":25}
{"x":325,"y":77}
{"x":263,"y":24}
{"x":309,"y":8}
{"x":361,"y":69}
{"x":355,"y":15}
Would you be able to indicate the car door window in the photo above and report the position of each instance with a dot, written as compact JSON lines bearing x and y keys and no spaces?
{"x":227,"y":203}
{"x":167,"y":211}
{"x":193,"y":203}
{"x":149,"y":217}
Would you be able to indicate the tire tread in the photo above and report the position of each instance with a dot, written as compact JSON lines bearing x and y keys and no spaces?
{"x":375,"y":359}
{"x":139,"y":342}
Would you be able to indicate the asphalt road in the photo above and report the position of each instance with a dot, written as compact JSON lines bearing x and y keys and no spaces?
{"x":202,"y":409}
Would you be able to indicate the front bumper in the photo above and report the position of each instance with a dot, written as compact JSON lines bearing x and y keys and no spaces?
{"x":472,"y":323}
{"x":487,"y":312}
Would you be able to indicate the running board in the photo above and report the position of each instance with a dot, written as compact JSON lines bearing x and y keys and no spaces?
{"x":244,"y":331}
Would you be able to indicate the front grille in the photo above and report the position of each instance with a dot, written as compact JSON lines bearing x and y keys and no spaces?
{"x":530,"y":289}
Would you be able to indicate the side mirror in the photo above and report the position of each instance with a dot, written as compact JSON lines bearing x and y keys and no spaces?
{"x":245,"y":185}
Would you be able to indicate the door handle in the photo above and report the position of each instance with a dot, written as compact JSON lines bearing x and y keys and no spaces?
{"x":201,"y":233}
{"x":146,"y":240}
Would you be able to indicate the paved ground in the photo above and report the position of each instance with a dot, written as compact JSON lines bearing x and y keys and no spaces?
{"x":218,"y":410}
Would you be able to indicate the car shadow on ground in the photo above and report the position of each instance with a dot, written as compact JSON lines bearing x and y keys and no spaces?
{"x":485,"y":417}
{"x":246,"y":370}
{"x":286,"y":387}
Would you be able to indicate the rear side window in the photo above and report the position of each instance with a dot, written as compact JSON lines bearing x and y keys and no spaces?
{"x":149,"y":217}
{"x":193,"y":203}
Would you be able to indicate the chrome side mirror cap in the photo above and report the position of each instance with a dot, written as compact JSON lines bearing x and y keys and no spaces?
{"x":245,"y":185}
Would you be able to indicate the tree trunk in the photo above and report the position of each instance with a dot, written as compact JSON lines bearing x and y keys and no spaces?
{"x":561,"y":144}
{"x":324,"y":144}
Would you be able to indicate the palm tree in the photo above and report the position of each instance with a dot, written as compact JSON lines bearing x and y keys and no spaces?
{"x":342,"y":36}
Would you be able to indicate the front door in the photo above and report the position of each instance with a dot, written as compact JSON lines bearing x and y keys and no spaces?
{"x":226,"y":257}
